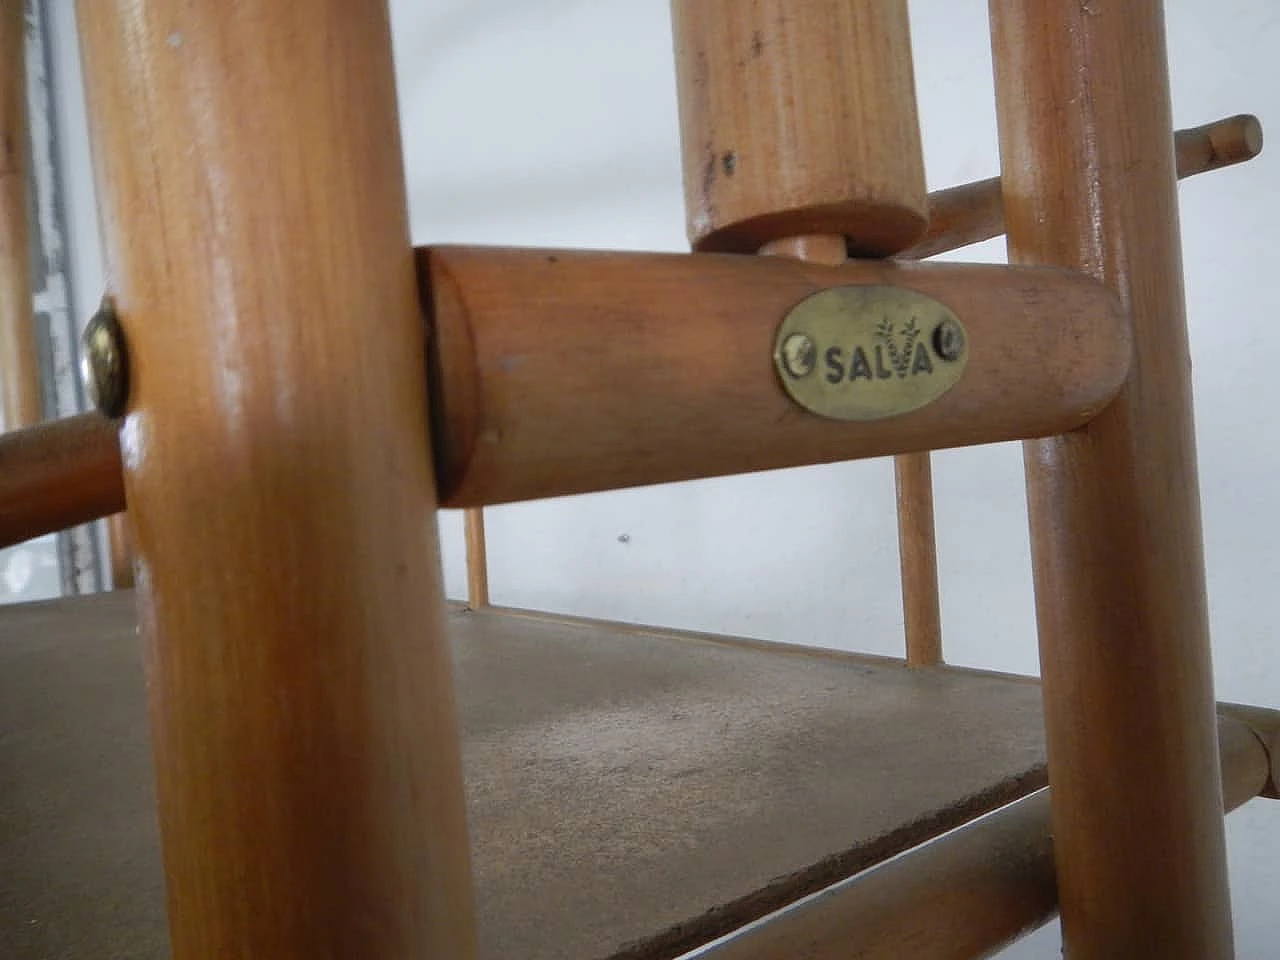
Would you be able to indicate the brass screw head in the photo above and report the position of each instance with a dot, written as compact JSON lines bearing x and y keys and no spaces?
{"x":799,"y":355}
{"x":104,"y":362}
{"x":948,"y":340}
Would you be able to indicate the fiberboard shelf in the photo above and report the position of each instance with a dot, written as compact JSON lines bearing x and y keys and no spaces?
{"x":633,"y":792}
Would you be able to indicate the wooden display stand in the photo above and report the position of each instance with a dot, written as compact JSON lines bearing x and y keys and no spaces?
{"x":628,"y":792}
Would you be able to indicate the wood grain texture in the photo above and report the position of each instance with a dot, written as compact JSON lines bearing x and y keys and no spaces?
{"x":477,"y":558}
{"x":918,"y":553}
{"x":973,"y":212}
{"x":561,"y":372}
{"x":20,"y":400}
{"x":58,"y":475}
{"x":279,"y":478}
{"x":798,"y":119}
{"x":1088,"y":172}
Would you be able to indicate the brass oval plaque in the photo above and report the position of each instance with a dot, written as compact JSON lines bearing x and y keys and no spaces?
{"x":869,"y":352}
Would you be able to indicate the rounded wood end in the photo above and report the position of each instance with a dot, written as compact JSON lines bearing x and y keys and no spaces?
{"x":1235,"y":140}
{"x":1251,"y":134}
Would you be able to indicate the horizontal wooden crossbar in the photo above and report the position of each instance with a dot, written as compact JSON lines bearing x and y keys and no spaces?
{"x":61,"y":474}
{"x":566,"y":372}
{"x":558,"y":373}
{"x":58,"y":475}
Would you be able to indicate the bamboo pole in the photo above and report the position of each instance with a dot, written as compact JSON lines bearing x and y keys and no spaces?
{"x":308,"y":773}
{"x":1089,"y":183}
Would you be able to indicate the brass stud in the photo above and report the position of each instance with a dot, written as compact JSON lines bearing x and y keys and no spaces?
{"x":799,"y":355}
{"x":104,"y":362}
{"x":948,"y":340}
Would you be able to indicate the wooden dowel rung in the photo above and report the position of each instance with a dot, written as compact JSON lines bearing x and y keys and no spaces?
{"x":1213,"y":146}
{"x":567,"y":372}
{"x":973,"y":212}
{"x":918,"y":550}
{"x":58,"y":475}
{"x":964,"y":894}
{"x":477,"y":558}
{"x":958,"y":217}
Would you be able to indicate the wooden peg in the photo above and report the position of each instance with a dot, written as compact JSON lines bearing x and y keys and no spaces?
{"x":918,"y":552}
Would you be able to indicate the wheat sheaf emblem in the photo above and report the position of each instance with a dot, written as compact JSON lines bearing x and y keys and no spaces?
{"x":900,"y":347}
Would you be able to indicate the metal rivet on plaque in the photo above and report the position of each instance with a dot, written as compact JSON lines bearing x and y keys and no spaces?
{"x":799,"y":355}
{"x":948,"y":340}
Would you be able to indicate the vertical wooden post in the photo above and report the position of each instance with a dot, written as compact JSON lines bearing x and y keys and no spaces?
{"x":918,"y":550}
{"x":1088,"y":173}
{"x":279,"y":483}
{"x":477,"y":558}
{"x":800,"y":138}
{"x":799,"y":119}
{"x":20,"y":402}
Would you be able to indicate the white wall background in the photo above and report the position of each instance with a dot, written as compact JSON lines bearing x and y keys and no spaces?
{"x":553,"y":123}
